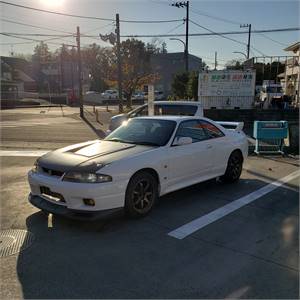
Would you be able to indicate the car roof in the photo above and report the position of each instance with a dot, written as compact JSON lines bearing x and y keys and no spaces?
{"x":171,"y":118}
{"x":182,"y":102}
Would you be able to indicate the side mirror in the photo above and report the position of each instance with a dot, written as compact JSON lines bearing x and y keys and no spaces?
{"x":183,"y":141}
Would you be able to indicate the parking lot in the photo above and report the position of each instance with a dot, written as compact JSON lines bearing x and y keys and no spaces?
{"x":251,"y":252}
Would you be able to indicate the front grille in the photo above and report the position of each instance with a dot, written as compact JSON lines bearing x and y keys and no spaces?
{"x":52,"y":195}
{"x":52,"y":172}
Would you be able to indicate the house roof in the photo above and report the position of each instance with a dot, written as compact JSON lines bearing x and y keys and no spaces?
{"x":20,"y":67}
{"x":14,"y":62}
{"x":294,"y":47}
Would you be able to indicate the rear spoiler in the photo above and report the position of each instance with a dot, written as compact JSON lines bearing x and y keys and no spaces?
{"x":237,"y":126}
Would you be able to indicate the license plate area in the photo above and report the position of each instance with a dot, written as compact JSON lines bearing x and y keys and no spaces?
{"x":46,"y":192}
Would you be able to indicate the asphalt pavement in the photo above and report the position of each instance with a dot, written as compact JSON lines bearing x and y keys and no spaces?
{"x":253,"y":252}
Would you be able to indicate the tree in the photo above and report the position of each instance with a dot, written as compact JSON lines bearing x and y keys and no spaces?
{"x":234,"y":64}
{"x":136,"y":68}
{"x":192,"y":86}
{"x":156,"y":46}
{"x":41,"y":57}
{"x":41,"y":53}
{"x":98,"y":61}
{"x":180,"y":84}
{"x":268,"y":71}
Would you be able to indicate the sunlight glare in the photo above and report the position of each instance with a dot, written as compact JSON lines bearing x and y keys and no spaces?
{"x":52,"y":3}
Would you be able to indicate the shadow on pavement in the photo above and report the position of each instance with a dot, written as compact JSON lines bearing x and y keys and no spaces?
{"x":123,"y":258}
{"x":100,"y":133}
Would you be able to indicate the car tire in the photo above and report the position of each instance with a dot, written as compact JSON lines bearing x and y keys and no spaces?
{"x":234,"y":167}
{"x":141,"y":194}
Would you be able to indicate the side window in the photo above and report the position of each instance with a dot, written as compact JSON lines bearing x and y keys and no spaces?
{"x":192,"y":129}
{"x":189,"y":110}
{"x":211,"y":130}
{"x":171,"y":110}
{"x":179,"y":110}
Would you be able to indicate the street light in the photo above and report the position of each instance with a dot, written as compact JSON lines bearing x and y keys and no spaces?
{"x":184,"y":44}
{"x":174,"y":39}
{"x":240,"y":53}
{"x":186,"y":4}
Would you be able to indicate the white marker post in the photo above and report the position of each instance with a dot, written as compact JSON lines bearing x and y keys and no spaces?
{"x":151,"y":100}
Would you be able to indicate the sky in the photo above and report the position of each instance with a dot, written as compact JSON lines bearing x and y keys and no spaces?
{"x":217,"y":16}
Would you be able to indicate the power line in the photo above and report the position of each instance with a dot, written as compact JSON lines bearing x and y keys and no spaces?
{"x":195,"y":11}
{"x":34,"y":40}
{"x":277,"y":42}
{"x":37,"y":34}
{"x":221,"y":35}
{"x":172,"y":35}
{"x":34,"y":26}
{"x":87,"y":17}
{"x":211,"y":34}
{"x":176,"y":27}
{"x":233,"y":40}
{"x":101,"y":27}
{"x":8,"y":44}
{"x":232,"y":22}
{"x":258,"y":51}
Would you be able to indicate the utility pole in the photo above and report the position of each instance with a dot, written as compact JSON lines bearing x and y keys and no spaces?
{"x":249,"y":37}
{"x":119,"y":64}
{"x":187,"y":37}
{"x":186,"y":50}
{"x":216,"y":62}
{"x":79,"y":72}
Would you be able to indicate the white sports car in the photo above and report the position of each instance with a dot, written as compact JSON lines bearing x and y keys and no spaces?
{"x":143,"y":159}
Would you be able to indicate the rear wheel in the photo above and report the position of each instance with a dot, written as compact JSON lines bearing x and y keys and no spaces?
{"x":141,"y":194}
{"x":234,"y":167}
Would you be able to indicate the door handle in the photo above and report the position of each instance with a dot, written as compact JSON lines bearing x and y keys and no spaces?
{"x":209,"y":146}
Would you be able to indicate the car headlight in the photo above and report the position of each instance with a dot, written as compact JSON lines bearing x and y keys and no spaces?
{"x":86,"y":177}
{"x":35,"y":167}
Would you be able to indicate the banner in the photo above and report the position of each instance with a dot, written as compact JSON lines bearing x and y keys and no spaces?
{"x":226,"y":83}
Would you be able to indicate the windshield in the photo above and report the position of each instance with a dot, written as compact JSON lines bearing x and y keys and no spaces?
{"x":151,"y":132}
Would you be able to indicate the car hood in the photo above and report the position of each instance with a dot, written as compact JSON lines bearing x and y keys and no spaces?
{"x":89,"y":156}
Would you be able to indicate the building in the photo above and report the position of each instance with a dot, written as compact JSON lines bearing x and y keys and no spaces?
{"x":290,"y":79}
{"x":166,"y":65}
{"x":16,"y":80}
{"x":60,"y":76}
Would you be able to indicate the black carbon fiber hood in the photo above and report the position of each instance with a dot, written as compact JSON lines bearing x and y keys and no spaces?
{"x":89,"y":156}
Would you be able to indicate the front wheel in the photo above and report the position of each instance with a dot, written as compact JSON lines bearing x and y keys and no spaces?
{"x":141,"y":194}
{"x":234,"y":167}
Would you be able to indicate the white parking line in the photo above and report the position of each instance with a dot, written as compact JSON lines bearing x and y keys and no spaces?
{"x":30,"y":153}
{"x":191,"y":227}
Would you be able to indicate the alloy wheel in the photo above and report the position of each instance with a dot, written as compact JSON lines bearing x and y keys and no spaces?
{"x":143,"y":195}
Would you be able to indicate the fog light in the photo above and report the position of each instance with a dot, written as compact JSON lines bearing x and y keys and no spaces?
{"x":90,"y":202}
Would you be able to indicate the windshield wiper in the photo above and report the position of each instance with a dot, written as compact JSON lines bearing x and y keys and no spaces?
{"x":147,"y":144}
{"x":119,"y":141}
{"x":133,"y":142}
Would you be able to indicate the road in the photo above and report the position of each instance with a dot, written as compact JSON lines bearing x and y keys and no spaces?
{"x":250,"y":253}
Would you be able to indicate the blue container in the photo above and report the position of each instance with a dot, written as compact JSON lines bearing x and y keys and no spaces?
{"x":265,"y":130}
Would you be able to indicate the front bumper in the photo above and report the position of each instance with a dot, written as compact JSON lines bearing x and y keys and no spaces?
{"x":60,"y":210}
{"x":107,"y":196}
